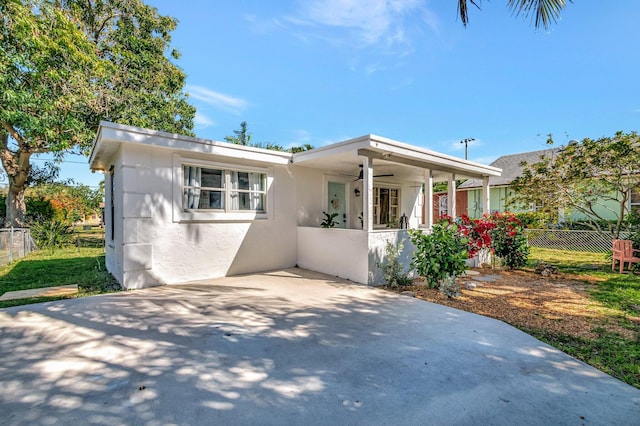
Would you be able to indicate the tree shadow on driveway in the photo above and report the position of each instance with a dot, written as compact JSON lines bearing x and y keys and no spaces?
{"x":287,"y":347}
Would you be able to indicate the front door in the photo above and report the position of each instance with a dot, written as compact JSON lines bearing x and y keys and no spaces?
{"x":337,"y":202}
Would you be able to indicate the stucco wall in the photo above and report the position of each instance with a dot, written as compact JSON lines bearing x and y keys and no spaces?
{"x":159,"y":250}
{"x":350,"y":253}
{"x":607,"y":209}
{"x":336,"y":251}
{"x":113,"y":228}
{"x":377,"y":252}
{"x":310,"y":195}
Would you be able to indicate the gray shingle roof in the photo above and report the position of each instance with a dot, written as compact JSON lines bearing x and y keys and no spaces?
{"x":511,"y":168}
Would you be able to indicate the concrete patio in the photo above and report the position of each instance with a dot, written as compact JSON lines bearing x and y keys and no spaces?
{"x":287,"y":347}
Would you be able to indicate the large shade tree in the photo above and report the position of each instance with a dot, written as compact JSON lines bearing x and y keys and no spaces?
{"x":595,"y":178}
{"x":66,"y":65}
{"x":144,"y":87}
{"x":543,"y":12}
{"x":47,"y":74}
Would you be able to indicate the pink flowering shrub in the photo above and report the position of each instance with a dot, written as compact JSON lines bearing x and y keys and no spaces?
{"x":502,"y":233}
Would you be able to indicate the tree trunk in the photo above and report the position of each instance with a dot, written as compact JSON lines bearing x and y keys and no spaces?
{"x":16,"y":166}
{"x":16,"y":207}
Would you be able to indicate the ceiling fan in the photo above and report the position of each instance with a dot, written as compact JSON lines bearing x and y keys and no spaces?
{"x":361,"y":174}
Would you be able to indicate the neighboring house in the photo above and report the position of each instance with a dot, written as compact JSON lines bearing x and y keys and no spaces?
{"x":469,"y":193}
{"x":180,"y":208}
{"x":441,"y":203}
{"x":499,"y":191}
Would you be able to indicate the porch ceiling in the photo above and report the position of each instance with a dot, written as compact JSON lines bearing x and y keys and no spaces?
{"x":405,"y":162}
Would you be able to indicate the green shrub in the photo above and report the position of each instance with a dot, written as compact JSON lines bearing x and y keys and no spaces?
{"x":534,"y":220}
{"x":392,"y":269}
{"x":578,"y":225}
{"x":329,"y":220}
{"x":633,"y":223}
{"x":37,"y":208}
{"x":450,"y":287}
{"x":439,"y":254}
{"x":52,"y":234}
{"x":509,"y":241}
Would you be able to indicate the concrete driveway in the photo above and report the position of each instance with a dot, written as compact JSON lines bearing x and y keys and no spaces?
{"x":287,"y":347}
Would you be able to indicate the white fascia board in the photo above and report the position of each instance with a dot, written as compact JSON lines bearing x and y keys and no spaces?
{"x":351,"y":145}
{"x":383,"y":145}
{"x":111,"y":133}
{"x":432,"y":157}
{"x":95,"y":146}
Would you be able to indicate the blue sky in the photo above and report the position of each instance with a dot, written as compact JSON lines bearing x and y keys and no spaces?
{"x":301,"y":71}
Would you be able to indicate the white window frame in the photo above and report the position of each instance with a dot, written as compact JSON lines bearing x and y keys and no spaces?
{"x":180,"y":214}
{"x":376,"y":206}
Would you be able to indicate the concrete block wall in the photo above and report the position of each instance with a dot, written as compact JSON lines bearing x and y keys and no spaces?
{"x":137,"y":209}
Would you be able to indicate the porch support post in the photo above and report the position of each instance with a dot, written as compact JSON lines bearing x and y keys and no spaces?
{"x":428,"y":198}
{"x":451,"y":195}
{"x":486,"y":199}
{"x":367,"y":194}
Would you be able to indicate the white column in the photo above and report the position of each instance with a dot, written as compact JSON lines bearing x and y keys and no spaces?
{"x":451,"y":195}
{"x":486,"y":199}
{"x":367,"y":193}
{"x":428,"y":198}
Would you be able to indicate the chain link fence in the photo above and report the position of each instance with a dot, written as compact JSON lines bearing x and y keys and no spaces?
{"x":14,"y":244}
{"x":572,"y":240}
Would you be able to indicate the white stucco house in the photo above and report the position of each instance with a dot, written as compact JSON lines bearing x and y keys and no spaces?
{"x":180,"y":208}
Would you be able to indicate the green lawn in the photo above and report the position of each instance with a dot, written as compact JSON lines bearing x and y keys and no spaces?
{"x":82,"y":266}
{"x":610,"y":352}
{"x":569,"y":259}
{"x":614,"y":290}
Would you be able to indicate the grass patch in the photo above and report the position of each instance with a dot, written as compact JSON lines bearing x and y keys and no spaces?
{"x":612,"y":289}
{"x":30,"y":300}
{"x":82,"y":266}
{"x":609,"y":352}
{"x":569,"y":261}
{"x":619,"y":292}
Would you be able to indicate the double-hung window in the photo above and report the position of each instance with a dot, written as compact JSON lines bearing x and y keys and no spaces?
{"x":223,"y":190}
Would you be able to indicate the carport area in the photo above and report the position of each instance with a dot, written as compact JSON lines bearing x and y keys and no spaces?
{"x":287,"y":347}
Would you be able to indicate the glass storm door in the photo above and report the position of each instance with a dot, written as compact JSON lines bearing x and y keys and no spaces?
{"x":337,"y":203}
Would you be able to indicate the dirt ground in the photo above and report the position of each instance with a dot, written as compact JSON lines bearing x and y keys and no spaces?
{"x":558,"y":304}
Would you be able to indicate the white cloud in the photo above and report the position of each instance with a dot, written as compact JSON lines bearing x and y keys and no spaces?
{"x":217,"y":100}
{"x":300,"y":137}
{"x":372,"y":68}
{"x":260,"y":25}
{"x":431,"y":20}
{"x":368,"y":22}
{"x":202,"y":121}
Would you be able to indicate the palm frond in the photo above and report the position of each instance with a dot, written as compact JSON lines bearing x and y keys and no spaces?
{"x":545,"y":12}
{"x":463,"y":11}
